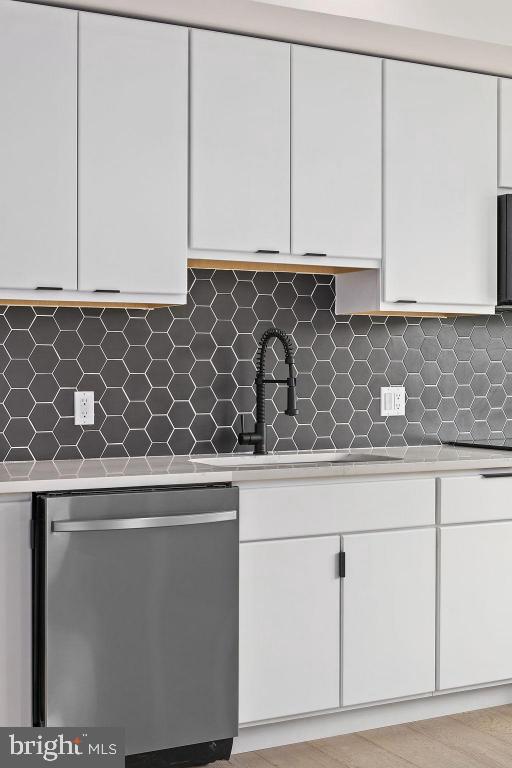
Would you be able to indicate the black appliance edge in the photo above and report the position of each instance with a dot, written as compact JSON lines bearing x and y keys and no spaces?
{"x":505,"y":251}
{"x":184,"y":757}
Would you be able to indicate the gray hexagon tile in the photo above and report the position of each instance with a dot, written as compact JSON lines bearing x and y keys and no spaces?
{"x":175,"y":380}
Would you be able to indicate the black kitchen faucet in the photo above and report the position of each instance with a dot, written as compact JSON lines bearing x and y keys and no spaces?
{"x":258,"y":438}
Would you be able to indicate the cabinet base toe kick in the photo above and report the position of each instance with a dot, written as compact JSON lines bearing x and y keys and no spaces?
{"x":325,"y":725}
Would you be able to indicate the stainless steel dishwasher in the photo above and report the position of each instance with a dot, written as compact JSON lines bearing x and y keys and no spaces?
{"x":136,"y":618}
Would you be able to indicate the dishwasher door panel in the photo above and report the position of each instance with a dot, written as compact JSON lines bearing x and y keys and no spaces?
{"x":142,"y":622}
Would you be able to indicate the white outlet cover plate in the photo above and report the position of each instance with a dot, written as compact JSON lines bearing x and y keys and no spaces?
{"x":392,"y":401}
{"x":84,"y":408}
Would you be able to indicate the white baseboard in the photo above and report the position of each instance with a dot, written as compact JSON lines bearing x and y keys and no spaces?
{"x":256,"y":737}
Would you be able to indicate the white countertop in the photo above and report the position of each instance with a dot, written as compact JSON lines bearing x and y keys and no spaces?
{"x":28,"y":477}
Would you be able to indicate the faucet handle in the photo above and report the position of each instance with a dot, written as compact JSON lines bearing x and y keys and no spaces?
{"x":244,"y":436}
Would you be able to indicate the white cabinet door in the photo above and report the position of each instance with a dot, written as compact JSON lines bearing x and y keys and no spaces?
{"x":132,"y":155}
{"x":505,"y":133}
{"x":475,"y":612}
{"x":38,"y":84}
{"x":388,"y":615}
{"x":15,"y":613}
{"x":440,"y":155}
{"x":336,"y":153}
{"x":289,"y":627}
{"x":240,"y":143}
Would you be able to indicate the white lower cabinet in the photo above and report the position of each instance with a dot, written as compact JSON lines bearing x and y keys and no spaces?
{"x":15,"y":612}
{"x":388,"y":615}
{"x":289,"y":627}
{"x":475,"y":610}
{"x":317,"y":634}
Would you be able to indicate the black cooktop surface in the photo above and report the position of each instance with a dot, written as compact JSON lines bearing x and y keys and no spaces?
{"x":496,"y":444}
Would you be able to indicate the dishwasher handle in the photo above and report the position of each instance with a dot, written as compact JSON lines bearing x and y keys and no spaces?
{"x":131,"y":523}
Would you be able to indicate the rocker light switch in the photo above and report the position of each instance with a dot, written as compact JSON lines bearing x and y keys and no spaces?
{"x":392,"y":401}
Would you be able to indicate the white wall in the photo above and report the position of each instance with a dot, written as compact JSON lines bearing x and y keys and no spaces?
{"x":488,"y":20}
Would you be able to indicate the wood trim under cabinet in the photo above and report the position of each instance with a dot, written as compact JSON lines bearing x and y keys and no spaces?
{"x":263,"y":266}
{"x":99,"y":304}
{"x":83,"y":298}
{"x":389,"y":313}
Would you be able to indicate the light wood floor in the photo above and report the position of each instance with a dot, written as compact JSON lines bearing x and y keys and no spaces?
{"x":481,"y":739}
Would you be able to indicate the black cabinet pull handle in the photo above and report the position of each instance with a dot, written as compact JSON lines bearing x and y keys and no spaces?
{"x":107,"y":290}
{"x":405,"y":301}
{"x":48,"y":288}
{"x":313,"y":253}
{"x":264,"y":250}
{"x":496,"y":474}
{"x":343,"y":565}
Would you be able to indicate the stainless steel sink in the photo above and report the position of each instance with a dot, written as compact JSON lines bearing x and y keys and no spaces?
{"x":271,"y":459}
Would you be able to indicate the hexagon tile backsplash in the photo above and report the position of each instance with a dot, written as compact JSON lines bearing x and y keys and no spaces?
{"x":175,"y":380}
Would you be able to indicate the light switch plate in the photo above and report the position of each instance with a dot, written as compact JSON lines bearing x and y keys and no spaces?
{"x":84,"y":408}
{"x":392,"y":401}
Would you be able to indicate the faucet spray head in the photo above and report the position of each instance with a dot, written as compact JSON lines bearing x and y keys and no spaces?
{"x":291,"y":408}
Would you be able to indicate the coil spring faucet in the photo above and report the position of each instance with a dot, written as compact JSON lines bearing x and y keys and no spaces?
{"x":258,"y":438}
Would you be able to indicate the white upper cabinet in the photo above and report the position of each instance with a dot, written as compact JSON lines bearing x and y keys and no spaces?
{"x":133,"y":157}
{"x":38,"y":91}
{"x":440,"y":151}
{"x":336,"y":153}
{"x":439,"y":196}
{"x":505,"y":133}
{"x":389,"y":607}
{"x":240,"y":143}
{"x":283,"y":152}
